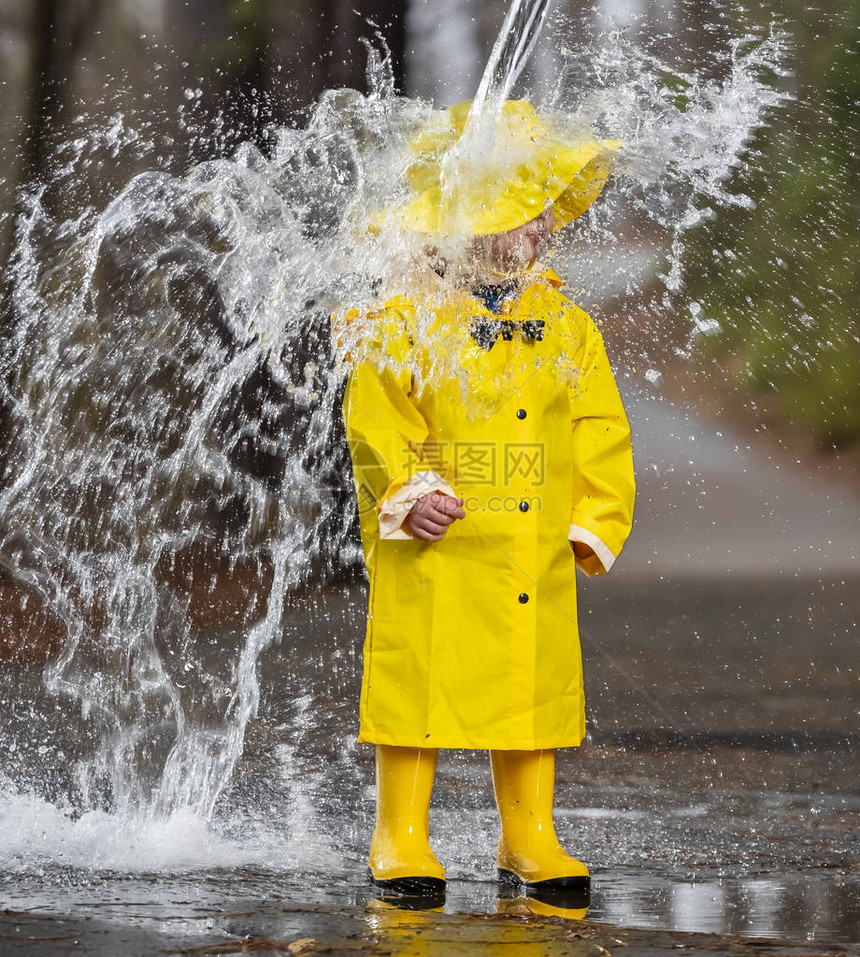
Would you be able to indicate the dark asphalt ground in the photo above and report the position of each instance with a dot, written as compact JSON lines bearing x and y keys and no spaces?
{"x":717,"y":798}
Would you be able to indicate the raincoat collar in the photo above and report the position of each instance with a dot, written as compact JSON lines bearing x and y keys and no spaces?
{"x":494,"y":296}
{"x":547,"y":273}
{"x":493,"y":299}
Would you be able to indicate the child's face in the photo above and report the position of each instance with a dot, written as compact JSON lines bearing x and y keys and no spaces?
{"x":519,"y":247}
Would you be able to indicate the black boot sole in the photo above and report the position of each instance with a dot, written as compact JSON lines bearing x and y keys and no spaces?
{"x":510,"y":879}
{"x":430,"y":888}
{"x":568,"y":892}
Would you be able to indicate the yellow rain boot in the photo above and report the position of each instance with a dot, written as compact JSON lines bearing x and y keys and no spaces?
{"x":572,"y":905}
{"x":401,"y":860}
{"x":529,"y":852}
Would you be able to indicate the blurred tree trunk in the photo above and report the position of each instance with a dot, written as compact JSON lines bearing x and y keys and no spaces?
{"x":247,"y":105}
{"x":278,"y":57}
{"x":59,"y":28}
{"x":348,"y":22}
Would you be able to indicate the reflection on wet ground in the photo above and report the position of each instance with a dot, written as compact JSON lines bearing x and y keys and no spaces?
{"x":819,"y":907}
{"x":711,"y":798}
{"x":235,"y":911}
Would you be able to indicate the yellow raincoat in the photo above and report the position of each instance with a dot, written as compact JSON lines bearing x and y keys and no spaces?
{"x":472,"y":642}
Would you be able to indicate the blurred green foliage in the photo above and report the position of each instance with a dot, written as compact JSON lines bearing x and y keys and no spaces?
{"x":783,"y":279}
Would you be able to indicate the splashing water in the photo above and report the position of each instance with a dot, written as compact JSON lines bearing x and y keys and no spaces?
{"x":166,"y":365}
{"x":511,"y":52}
{"x":178,"y":468}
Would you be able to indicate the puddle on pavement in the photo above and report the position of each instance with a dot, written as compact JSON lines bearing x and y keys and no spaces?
{"x":821,"y":907}
{"x":753,"y":834}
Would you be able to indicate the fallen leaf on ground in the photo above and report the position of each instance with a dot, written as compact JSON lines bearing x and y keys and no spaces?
{"x":302,"y":945}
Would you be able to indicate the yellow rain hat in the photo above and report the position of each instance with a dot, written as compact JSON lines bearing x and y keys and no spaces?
{"x":503,"y":176}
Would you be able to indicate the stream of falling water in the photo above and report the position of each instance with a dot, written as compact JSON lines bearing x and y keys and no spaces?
{"x":173,"y":400}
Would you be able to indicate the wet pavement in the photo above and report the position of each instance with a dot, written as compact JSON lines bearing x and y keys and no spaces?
{"x":253,"y":912}
{"x":729,"y":829}
{"x":717,"y":798}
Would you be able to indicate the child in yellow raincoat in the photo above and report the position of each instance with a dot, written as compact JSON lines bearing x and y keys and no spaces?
{"x":491,"y":456}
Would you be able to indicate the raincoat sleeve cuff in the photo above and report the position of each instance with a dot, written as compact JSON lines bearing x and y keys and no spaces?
{"x":602,"y":559}
{"x":394,"y":509}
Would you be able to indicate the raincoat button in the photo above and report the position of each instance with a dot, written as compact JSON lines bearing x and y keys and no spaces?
{"x":524,"y":506}
{"x":523,"y":598}
{"x":521,"y":413}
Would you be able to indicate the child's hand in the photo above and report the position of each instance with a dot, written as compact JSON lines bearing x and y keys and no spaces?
{"x":432,"y":514}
